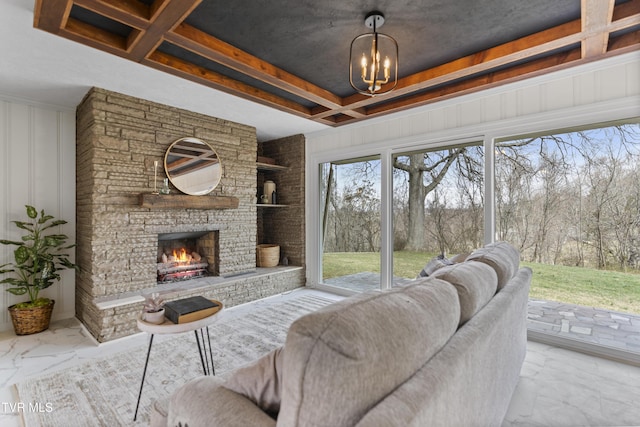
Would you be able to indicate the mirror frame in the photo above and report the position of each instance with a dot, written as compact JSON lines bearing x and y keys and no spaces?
{"x":195,"y":160}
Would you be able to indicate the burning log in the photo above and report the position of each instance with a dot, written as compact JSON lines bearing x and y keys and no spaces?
{"x":180,"y":266}
{"x":171,"y":271}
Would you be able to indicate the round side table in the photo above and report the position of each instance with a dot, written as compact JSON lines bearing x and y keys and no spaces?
{"x":168,"y":328}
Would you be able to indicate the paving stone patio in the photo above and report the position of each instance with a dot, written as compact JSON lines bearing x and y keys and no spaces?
{"x":594,"y":325}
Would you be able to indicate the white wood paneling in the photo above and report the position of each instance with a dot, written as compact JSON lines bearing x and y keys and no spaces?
{"x":507,"y":107}
{"x":37,"y":145}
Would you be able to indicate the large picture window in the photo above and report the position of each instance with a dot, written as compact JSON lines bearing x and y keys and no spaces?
{"x":438,"y":205}
{"x":569,"y":201}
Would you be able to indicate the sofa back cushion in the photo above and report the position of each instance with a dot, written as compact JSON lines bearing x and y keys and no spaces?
{"x":475,"y":282}
{"x":342,"y":359}
{"x":500,"y":256}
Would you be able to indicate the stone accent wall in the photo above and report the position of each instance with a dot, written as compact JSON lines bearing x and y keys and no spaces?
{"x":285,"y":226}
{"x":118,"y":139}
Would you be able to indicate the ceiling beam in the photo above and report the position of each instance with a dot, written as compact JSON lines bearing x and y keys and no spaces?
{"x":596,"y":17}
{"x":214,"y":49}
{"x":166,"y":20}
{"x":189,"y":71}
{"x":478,"y":83}
{"x":133,"y":14}
{"x":480,"y":62}
{"x":547,"y":41}
{"x":598,"y":33}
{"x":51,"y":15}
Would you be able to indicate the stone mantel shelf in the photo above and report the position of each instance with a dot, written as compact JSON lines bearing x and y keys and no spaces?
{"x":183,"y":201}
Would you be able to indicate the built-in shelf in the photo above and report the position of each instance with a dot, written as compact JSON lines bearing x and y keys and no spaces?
{"x":183,"y":201}
{"x":269,"y":205}
{"x":270,"y":167}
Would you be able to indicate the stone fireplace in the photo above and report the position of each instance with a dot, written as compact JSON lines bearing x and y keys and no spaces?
{"x":118,"y":239}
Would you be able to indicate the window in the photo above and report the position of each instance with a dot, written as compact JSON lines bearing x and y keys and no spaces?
{"x":438,"y":205}
{"x":350,"y":217}
{"x":570,"y":202}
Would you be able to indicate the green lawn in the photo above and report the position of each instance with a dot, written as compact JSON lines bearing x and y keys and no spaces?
{"x":610,"y":290}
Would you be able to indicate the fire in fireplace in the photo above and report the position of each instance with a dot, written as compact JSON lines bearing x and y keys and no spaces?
{"x":183,"y":256}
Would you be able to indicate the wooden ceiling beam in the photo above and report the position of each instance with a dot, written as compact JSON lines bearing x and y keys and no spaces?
{"x":626,"y":10}
{"x":134,"y":14}
{"x":596,"y":17}
{"x":625,"y":43}
{"x":214,"y":49}
{"x":51,"y":15}
{"x":478,"y":83}
{"x":94,"y":37}
{"x":480,"y":62}
{"x":164,"y":21}
{"x":625,"y":16}
{"x":189,"y":71}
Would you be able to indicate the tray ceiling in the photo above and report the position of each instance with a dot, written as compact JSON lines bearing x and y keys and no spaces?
{"x":293,"y":54}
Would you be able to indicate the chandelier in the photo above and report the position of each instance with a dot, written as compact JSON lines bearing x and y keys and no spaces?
{"x":373,"y":59}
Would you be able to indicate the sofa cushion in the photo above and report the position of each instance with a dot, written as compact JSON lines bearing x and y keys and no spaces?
{"x":475,"y":282}
{"x":204,"y":402}
{"x":260,"y":381}
{"x":500,"y":256}
{"x":337,"y":360}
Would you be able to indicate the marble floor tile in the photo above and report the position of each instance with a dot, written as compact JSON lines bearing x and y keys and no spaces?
{"x":562,"y":388}
{"x":557,"y":388}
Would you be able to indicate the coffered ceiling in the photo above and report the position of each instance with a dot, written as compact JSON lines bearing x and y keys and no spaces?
{"x":293,"y":55}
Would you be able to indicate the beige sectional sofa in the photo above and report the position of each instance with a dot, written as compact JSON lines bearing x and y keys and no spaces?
{"x":445,"y":350}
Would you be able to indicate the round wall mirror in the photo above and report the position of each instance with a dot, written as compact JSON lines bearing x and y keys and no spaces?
{"x":193,"y":166}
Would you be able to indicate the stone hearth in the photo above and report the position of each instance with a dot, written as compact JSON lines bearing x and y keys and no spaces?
{"x":118,"y":139}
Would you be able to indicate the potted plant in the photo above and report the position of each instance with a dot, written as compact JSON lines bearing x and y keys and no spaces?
{"x":38,"y":258}
{"x":153,"y":309}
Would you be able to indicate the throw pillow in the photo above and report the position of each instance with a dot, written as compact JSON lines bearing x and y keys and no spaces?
{"x":436,"y":263}
{"x":260,"y":382}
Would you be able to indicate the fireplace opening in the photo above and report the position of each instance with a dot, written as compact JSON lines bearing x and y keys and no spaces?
{"x":184,"y":256}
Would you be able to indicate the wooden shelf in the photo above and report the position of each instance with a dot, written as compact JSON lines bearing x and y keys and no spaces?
{"x":269,"y":205}
{"x":183,"y":201}
{"x":270,"y":167}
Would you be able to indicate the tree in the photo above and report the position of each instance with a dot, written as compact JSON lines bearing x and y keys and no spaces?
{"x":420,"y":167}
{"x":571,"y":193}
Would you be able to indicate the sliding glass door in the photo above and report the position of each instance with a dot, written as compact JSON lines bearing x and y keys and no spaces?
{"x":350,"y":220}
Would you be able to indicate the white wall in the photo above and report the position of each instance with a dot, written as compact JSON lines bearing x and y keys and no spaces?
{"x":596,"y":92}
{"x":37,"y":167}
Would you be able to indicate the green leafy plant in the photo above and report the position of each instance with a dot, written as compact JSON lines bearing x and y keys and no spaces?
{"x":38,"y":258}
